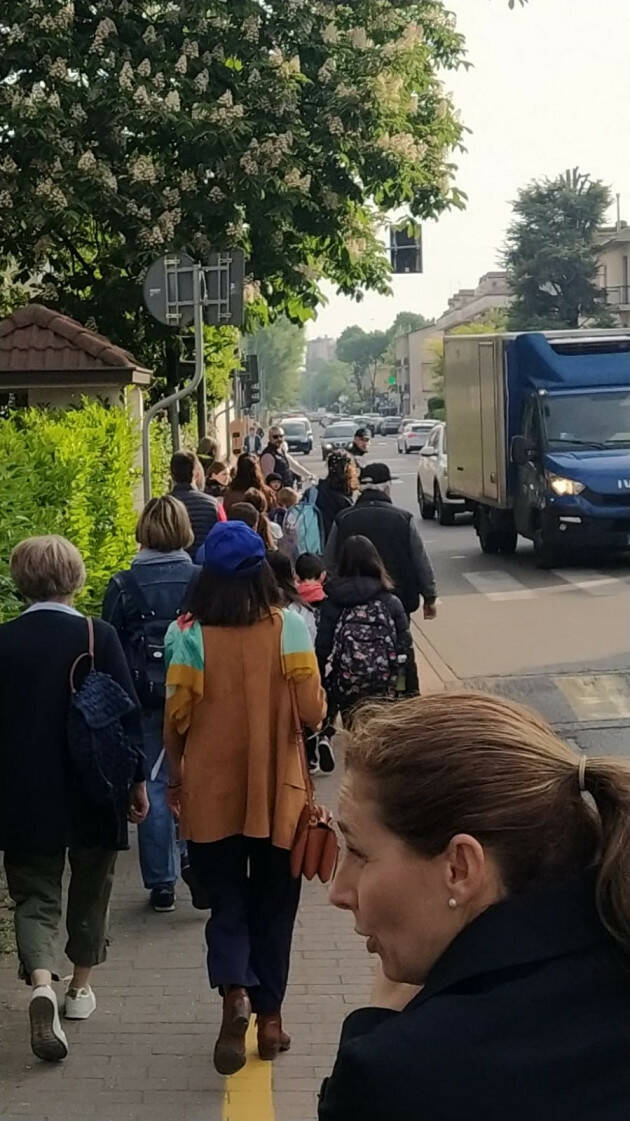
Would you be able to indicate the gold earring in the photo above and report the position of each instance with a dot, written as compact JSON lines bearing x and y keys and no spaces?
{"x":452,"y":903}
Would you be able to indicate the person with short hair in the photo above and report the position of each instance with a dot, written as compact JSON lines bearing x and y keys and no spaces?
{"x":360,"y":445}
{"x":395,"y":535}
{"x":252,"y":444}
{"x":235,"y":777}
{"x":156,"y":588}
{"x":244,"y":512}
{"x":203,"y":510}
{"x":286,"y":499}
{"x":217,"y":479}
{"x":276,"y":460}
{"x":311,"y":576}
{"x":274,"y":482}
{"x":487,"y":866}
{"x":45,"y":816}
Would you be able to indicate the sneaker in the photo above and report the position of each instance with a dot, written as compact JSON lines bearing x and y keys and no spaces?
{"x":80,"y":1004}
{"x":198,"y":891}
{"x":162,"y":899}
{"x":48,"y":1040}
{"x":326,"y":756}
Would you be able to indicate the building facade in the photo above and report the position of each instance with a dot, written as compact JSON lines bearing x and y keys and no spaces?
{"x":319,"y":350}
{"x":614,"y":271}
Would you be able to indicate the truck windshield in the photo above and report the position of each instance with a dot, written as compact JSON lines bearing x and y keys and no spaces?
{"x":595,"y":420}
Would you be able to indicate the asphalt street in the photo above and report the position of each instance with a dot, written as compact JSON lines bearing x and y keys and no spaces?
{"x":556,"y":639}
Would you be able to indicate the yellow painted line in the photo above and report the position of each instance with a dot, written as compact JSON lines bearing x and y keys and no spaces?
{"x":248,"y":1094}
{"x":596,"y":696}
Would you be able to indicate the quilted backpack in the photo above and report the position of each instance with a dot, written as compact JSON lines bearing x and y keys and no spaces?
{"x":101,"y":753}
{"x":303,"y":528}
{"x":363,"y":661}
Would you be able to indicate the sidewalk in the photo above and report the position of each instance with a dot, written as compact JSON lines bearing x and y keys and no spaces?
{"x":146,"y":1054}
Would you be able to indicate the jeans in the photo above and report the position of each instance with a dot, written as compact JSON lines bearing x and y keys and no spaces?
{"x":157,"y":837}
{"x":254,"y":900}
{"x":34,"y":882}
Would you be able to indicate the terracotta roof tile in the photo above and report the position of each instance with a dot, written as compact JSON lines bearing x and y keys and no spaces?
{"x":36,"y":339}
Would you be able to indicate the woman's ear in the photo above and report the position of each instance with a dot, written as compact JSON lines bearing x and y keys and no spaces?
{"x":466,"y":869}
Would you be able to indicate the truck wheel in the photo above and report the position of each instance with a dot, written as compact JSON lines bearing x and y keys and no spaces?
{"x":544,"y":551}
{"x":509,"y":538}
{"x":445,"y":516}
{"x":427,"y":509}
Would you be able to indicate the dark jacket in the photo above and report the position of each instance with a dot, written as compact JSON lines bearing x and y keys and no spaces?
{"x":202,"y":511}
{"x":347,"y":592}
{"x":166,"y":581}
{"x":525,"y":1016}
{"x":214,"y":489}
{"x":41,"y":805}
{"x":280,"y":465}
{"x":330,"y":503}
{"x":395,"y":535}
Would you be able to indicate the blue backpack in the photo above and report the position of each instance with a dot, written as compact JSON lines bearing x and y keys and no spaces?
{"x":303,"y":527}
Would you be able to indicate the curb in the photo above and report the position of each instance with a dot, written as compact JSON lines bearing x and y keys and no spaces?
{"x":435,"y":674}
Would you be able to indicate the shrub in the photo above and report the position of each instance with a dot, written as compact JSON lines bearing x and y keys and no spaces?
{"x":69,"y":472}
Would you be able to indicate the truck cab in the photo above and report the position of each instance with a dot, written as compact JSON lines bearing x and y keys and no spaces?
{"x":539,"y":431}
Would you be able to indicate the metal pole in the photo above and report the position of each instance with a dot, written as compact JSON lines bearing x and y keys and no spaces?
{"x":180,"y":393}
{"x":202,"y":409}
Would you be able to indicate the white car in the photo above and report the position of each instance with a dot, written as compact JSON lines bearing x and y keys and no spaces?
{"x":434,"y":496}
{"x":413,"y":435}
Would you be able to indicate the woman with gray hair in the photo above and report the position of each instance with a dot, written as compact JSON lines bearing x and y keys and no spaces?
{"x":44,"y":814}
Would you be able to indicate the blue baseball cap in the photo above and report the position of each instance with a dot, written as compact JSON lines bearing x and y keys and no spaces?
{"x":233,"y":549}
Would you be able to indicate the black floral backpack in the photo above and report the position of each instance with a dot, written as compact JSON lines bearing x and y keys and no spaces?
{"x":101,"y":752}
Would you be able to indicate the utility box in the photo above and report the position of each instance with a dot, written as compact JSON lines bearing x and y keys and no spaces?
{"x":238,"y":431}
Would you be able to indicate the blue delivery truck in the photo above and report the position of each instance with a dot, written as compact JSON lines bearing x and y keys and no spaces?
{"x":539,"y":438}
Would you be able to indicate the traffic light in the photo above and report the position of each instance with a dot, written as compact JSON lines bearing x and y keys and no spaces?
{"x":250,"y":381}
{"x":405,"y":248}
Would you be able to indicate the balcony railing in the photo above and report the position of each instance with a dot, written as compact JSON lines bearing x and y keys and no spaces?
{"x":618,"y":297}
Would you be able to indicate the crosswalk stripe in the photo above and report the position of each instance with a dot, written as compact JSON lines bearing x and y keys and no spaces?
{"x":586,"y":579}
{"x":497,"y":585}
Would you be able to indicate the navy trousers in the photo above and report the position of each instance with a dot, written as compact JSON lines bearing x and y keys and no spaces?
{"x":254,"y":901}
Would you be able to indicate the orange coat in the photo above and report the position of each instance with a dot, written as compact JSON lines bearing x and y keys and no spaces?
{"x":242,"y":773}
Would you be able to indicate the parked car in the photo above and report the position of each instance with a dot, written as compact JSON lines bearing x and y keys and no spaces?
{"x":434,"y":494}
{"x":298,"y":434}
{"x":366,"y":422}
{"x":414,"y":435}
{"x":390,"y":425}
{"x":338,"y":435}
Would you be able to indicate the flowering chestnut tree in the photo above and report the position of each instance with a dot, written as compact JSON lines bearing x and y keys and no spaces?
{"x":286,"y":127}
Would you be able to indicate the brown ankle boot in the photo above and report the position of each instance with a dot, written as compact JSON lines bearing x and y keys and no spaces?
{"x":229,"y":1052}
{"x":271,"y":1038}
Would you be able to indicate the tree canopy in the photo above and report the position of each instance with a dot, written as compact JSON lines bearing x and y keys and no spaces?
{"x":551,"y":253}
{"x":286,"y":128}
{"x":280,"y":351}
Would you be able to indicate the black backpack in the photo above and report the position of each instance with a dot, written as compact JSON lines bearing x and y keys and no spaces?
{"x":144,"y":645}
{"x":101,"y":752}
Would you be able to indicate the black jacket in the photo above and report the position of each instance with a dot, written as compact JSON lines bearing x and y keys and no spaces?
{"x":347,"y":592}
{"x":525,"y":1017}
{"x":330,"y":503}
{"x":202,"y":511}
{"x":280,"y":466}
{"x":41,"y":806}
{"x":395,"y":535}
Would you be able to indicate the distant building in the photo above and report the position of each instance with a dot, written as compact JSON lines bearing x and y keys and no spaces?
{"x":318,"y":351}
{"x":415,"y":351}
{"x":614,"y":270}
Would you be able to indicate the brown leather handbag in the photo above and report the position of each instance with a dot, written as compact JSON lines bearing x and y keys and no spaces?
{"x":315,"y":850}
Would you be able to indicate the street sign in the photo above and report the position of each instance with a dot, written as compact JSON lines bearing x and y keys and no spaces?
{"x":405,"y":248}
{"x":225,"y":278}
{"x":168,"y":291}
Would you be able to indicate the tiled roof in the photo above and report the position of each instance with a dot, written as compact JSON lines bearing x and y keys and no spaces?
{"x":36,"y":340}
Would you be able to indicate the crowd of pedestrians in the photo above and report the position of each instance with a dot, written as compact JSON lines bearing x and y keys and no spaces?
{"x":483,"y":863}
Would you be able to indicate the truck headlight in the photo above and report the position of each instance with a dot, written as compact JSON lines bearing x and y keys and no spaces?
{"x":562,"y":486}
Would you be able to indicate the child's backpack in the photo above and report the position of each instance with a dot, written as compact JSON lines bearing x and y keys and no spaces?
{"x":144,"y":645}
{"x":303,"y":527}
{"x":364,"y":658}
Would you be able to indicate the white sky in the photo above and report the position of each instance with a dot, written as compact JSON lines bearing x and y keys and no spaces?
{"x":550,"y":90}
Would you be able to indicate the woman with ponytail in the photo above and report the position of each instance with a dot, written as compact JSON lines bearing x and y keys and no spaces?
{"x":488,"y":866}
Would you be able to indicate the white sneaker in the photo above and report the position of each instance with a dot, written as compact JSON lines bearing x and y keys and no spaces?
{"x":48,"y":1040}
{"x":80,"y":1004}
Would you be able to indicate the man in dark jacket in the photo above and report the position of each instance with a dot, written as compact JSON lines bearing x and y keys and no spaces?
{"x":394,"y":533}
{"x":276,"y":460}
{"x":360,"y":445}
{"x":203,"y":509}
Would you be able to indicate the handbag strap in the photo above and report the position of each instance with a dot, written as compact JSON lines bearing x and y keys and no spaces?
{"x":299,"y":735}
{"x":89,"y":653}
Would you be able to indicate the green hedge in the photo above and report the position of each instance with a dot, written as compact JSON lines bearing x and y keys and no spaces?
{"x":68,"y":472}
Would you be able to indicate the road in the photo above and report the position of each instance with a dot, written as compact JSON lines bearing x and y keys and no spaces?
{"x":557,"y":639}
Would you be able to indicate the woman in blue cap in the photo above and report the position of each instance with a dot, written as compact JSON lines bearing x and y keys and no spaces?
{"x":235,"y":777}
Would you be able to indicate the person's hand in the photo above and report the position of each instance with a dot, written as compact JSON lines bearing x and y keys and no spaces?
{"x":392,"y":994}
{"x":429,"y":610}
{"x":174,"y":798}
{"x":138,"y":803}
